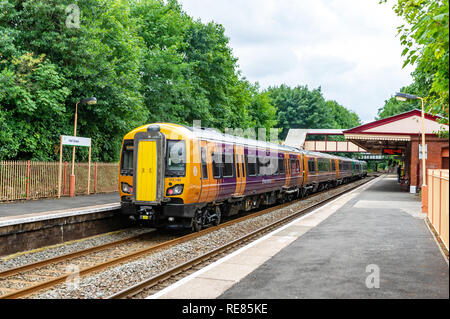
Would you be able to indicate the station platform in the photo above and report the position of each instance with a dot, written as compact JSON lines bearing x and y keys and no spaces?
{"x":36,"y":210}
{"x":372,"y":242}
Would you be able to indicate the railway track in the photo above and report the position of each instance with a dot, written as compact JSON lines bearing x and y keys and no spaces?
{"x":32,"y":278}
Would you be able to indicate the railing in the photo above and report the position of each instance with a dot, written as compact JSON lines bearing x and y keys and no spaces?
{"x":438,"y":199}
{"x":332,"y":146}
{"x":32,"y":180}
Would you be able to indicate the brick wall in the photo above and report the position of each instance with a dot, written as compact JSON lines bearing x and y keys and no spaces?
{"x":434,"y":156}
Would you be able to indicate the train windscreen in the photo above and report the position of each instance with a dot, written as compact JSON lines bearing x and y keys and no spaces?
{"x":127,"y":158}
{"x":176,"y":158}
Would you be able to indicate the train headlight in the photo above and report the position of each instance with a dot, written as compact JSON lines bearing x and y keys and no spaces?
{"x":175,"y":190}
{"x":127,"y":188}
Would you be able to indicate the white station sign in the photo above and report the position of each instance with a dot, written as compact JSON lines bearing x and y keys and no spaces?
{"x":76,"y":141}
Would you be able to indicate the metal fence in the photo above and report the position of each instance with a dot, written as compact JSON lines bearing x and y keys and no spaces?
{"x":32,"y":180}
{"x":438,"y":199}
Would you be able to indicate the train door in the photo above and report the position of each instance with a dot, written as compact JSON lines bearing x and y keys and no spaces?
{"x":239,"y":169}
{"x":302,"y":170}
{"x":335,"y":168}
{"x":206,"y":173}
{"x":228,"y":180}
{"x":295,"y":170}
{"x":214,"y":169}
{"x":149,"y":170}
{"x":287,"y":169}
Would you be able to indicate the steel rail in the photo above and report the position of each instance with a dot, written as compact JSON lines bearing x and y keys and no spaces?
{"x":64,"y":257}
{"x":158,"y":279}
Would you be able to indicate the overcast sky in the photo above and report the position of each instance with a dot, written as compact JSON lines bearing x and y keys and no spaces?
{"x":348,"y":47}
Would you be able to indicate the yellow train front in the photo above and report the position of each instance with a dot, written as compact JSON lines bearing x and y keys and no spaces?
{"x":154,"y":174}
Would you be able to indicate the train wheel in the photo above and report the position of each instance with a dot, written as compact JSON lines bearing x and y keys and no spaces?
{"x":197,"y":221}
{"x":218,"y":217}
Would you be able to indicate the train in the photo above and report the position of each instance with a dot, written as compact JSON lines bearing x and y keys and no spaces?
{"x":173,"y":175}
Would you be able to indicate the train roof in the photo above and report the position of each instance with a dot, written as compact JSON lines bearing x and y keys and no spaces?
{"x":216,"y":135}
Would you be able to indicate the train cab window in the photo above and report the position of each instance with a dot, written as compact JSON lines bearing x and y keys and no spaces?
{"x":228,"y":162}
{"x":251,"y":165}
{"x":204,"y":163}
{"x":216,"y":163}
{"x":176,"y":158}
{"x":127,"y":158}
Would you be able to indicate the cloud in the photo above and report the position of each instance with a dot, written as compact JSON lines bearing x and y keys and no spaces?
{"x":347,"y":47}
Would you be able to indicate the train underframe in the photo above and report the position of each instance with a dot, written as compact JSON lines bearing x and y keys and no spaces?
{"x":199,"y":216}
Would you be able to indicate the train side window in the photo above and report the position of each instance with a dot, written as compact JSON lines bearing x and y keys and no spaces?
{"x":243,"y":165}
{"x":281,"y":168}
{"x":216,"y":164}
{"x":227,"y":159}
{"x":333,"y":165}
{"x":294,"y":166}
{"x":251,"y":165}
{"x":204,"y":163}
{"x":324,"y":165}
{"x":311,"y":165}
{"x":264,"y":165}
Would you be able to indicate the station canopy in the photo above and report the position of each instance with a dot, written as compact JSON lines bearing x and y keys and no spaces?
{"x":393,"y":132}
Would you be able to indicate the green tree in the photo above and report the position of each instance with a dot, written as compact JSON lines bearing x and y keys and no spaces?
{"x":425,"y":38}
{"x":343,"y":117}
{"x":32,"y":95}
{"x":100,"y":58}
{"x":393,"y":107}
{"x":300,"y":108}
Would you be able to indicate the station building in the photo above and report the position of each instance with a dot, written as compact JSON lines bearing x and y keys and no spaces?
{"x":401,"y":135}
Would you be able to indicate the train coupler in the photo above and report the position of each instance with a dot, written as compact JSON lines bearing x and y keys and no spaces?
{"x":146,"y":213}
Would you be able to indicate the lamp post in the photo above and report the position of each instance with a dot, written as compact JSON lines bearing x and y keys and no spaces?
{"x":90,"y":101}
{"x":404,"y":97}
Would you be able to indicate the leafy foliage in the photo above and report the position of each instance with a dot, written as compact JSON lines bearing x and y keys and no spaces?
{"x":425,"y":37}
{"x":299,"y":107}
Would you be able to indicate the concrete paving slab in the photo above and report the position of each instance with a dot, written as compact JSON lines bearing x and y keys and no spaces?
{"x":244,"y":259}
{"x":294,"y":231}
{"x":311,"y":221}
{"x":270,"y":248}
{"x":228,"y":271}
{"x":200,"y":288}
